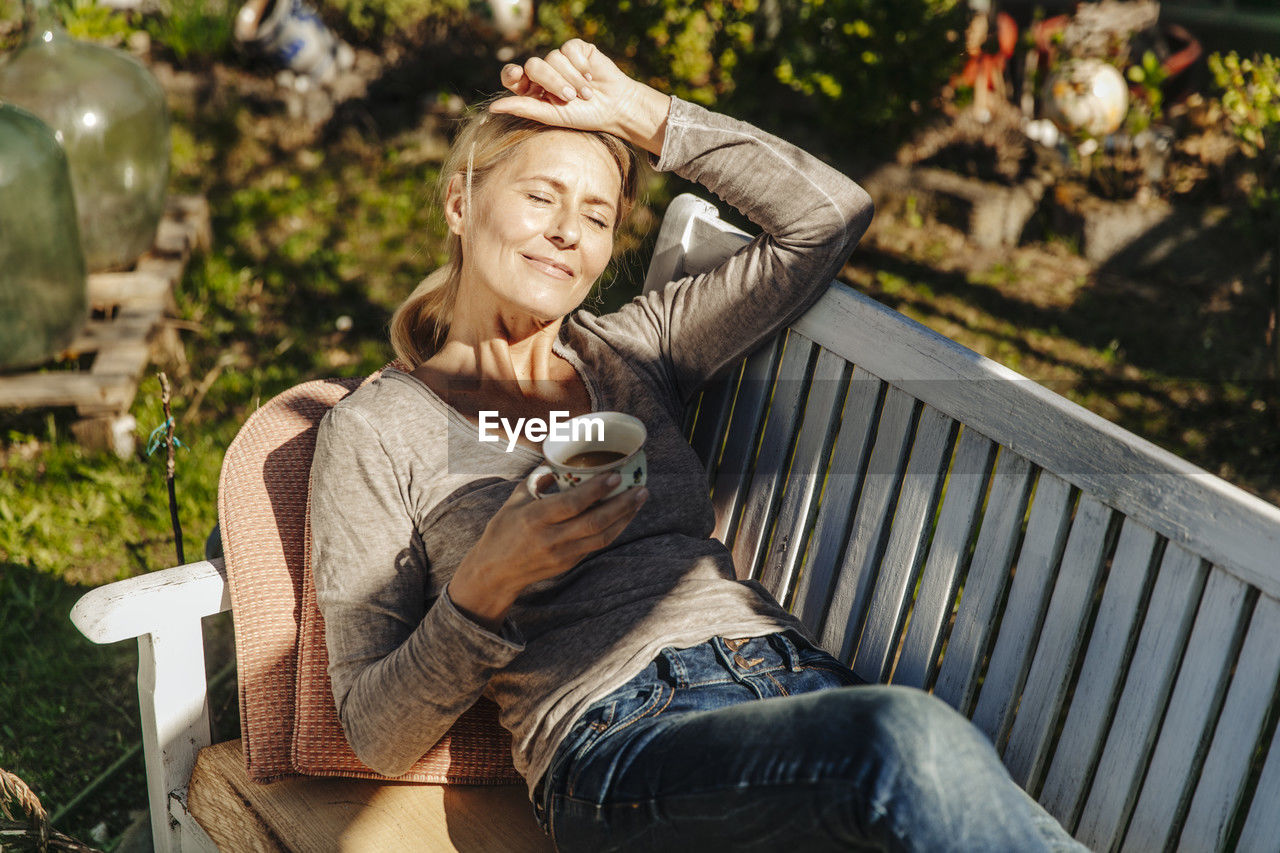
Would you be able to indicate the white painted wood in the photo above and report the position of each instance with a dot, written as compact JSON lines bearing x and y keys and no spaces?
{"x":858,"y":570}
{"x":1238,"y":731}
{"x":143,"y":604}
{"x":845,"y":472}
{"x":1029,"y":594}
{"x":904,"y":552}
{"x":983,"y":585}
{"x":1105,"y":664}
{"x":805,"y":475}
{"x":1233,"y":529}
{"x":1060,"y":639}
{"x":1184,"y":732}
{"x":173,"y":703}
{"x":1146,"y":690}
{"x":770,"y":469}
{"x":965,"y":487}
{"x":674,"y":239}
{"x":749,"y":408}
{"x":1262,"y":825}
{"x":193,"y":837}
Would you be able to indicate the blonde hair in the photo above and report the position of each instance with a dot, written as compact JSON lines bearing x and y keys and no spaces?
{"x":420,"y":325}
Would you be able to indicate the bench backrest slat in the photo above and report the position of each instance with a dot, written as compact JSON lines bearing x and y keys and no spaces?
{"x":872,"y":516}
{"x":1146,"y":691}
{"x":822,"y":559}
{"x":710,"y":420}
{"x":965,"y":488}
{"x":770,"y":463}
{"x":1226,"y":768}
{"x":1060,"y":638}
{"x":1111,"y":644}
{"x":1262,"y":826}
{"x":993,"y":555}
{"x":1192,"y":710}
{"x":805,"y":472}
{"x":1029,"y":594}
{"x":899,"y":566}
{"x":750,"y":405}
{"x":1094,"y":594}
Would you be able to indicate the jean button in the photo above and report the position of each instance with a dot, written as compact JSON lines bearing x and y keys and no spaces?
{"x":744,"y":663}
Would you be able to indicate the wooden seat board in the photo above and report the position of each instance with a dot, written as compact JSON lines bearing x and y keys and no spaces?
{"x":1106,"y":662}
{"x":1185,"y":731}
{"x":846,"y":472}
{"x":1146,"y":690}
{"x":326,"y":814}
{"x":805,"y":475}
{"x":904,"y":551}
{"x":1059,"y":643}
{"x":858,"y":569}
{"x":988,"y":572}
{"x":961,"y":507}
{"x":770,"y":468}
{"x":1226,"y":767}
{"x":1029,"y":594}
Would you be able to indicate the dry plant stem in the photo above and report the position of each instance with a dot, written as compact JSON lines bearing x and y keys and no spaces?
{"x":169,"y":467}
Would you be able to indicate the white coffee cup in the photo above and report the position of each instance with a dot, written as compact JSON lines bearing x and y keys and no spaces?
{"x":597,"y":443}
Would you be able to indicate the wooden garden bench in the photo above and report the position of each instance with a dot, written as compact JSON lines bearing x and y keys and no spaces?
{"x":1105,"y":611}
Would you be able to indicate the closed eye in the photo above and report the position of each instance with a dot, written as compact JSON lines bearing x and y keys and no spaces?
{"x":538,"y":198}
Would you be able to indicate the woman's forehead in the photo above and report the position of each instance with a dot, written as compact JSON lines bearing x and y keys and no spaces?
{"x":570,"y":159}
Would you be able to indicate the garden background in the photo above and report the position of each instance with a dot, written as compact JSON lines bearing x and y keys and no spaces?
{"x":324,"y":218}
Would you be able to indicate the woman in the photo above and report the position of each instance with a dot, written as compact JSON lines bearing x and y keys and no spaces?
{"x":654,"y":701}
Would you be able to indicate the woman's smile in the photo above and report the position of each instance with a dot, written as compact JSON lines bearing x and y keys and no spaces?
{"x":555,"y":269}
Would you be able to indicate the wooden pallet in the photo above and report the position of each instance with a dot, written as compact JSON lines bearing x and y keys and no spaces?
{"x":126,"y":321}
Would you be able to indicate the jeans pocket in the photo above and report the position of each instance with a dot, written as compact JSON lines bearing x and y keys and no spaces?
{"x":624,"y":710}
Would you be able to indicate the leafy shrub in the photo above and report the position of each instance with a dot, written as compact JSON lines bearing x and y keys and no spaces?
{"x":845,"y":66}
{"x":366,"y":20}
{"x":1251,"y":102}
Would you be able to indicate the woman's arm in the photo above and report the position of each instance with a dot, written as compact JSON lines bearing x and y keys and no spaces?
{"x":403,"y":665}
{"x":811,"y":215}
{"x":404,"y":661}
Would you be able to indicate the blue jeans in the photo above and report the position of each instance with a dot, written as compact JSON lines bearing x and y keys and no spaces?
{"x":770,"y":744}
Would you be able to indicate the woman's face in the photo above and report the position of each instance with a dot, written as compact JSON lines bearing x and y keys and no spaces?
{"x":541,"y":232}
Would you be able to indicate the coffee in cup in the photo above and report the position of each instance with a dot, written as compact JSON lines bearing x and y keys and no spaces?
{"x":591,"y":445}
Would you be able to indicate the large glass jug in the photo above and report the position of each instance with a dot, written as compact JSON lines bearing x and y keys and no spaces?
{"x":42,"y":276}
{"x":108,"y":112}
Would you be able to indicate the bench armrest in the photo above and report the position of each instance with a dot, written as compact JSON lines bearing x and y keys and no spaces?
{"x":163,"y":610}
{"x":141,"y":605}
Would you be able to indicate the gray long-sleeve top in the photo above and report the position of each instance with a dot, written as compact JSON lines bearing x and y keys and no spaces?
{"x":402,"y":487}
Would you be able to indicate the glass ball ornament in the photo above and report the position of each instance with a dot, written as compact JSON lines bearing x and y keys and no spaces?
{"x":108,"y":113}
{"x":43,"y":301}
{"x":1087,"y":95}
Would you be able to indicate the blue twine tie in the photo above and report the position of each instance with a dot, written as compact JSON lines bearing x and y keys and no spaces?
{"x":157,"y":437}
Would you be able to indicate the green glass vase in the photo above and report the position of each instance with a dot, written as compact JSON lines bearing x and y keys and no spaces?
{"x":43,"y":303}
{"x":108,"y":112}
